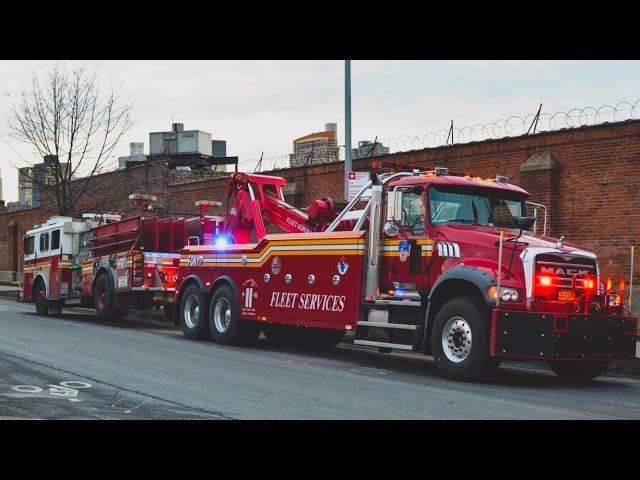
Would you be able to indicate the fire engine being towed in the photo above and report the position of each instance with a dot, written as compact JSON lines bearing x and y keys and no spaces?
{"x":435,"y":261}
{"x":110,"y":263}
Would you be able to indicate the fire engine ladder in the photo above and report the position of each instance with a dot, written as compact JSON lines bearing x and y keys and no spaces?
{"x":376,"y":330}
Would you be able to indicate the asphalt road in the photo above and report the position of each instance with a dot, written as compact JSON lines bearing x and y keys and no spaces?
{"x":73,"y":366}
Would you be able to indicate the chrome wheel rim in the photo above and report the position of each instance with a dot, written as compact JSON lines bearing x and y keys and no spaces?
{"x":191,"y":311}
{"x":222,"y":315}
{"x":456,"y":339}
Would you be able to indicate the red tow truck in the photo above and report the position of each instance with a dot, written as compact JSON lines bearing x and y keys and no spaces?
{"x":423,"y":260}
{"x":110,"y":263}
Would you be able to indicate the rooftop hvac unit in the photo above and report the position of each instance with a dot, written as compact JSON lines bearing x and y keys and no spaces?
{"x":136,"y":148}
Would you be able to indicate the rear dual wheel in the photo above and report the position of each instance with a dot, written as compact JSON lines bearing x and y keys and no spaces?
{"x":218,"y":319}
{"x":103,"y":299}
{"x":193,"y":313}
{"x":225,"y":324}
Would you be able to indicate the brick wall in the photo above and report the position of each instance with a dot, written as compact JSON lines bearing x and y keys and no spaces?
{"x":588,"y":177}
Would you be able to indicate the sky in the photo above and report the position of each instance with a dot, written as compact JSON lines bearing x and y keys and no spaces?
{"x":261,"y":106}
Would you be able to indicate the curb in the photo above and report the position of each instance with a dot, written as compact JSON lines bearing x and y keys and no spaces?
{"x":10,"y":294}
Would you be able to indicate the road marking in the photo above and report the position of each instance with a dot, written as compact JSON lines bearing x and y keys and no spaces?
{"x":76,"y":385}
{"x":68,"y":388}
{"x":26,"y":389}
{"x":61,"y":391}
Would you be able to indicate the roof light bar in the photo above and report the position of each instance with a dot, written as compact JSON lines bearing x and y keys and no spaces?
{"x":441,"y":171}
{"x":501,"y":179}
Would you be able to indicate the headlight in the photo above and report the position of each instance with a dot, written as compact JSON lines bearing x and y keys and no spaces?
{"x":507,"y":294}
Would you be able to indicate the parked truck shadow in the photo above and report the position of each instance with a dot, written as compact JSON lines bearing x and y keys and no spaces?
{"x":422,"y":367}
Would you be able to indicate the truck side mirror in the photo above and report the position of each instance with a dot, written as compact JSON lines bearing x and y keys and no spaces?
{"x":524,"y":223}
{"x":391,"y":228}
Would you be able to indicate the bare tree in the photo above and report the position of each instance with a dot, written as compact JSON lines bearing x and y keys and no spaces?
{"x":74,"y":125}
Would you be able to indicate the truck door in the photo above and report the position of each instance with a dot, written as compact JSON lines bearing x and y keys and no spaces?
{"x":55,"y":277}
{"x":28,"y":248}
{"x":408,"y":254}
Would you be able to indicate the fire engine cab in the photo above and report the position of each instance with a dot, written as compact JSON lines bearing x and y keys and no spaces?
{"x":424,"y":260}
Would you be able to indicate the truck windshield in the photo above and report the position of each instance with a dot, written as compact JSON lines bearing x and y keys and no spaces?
{"x":451,"y":205}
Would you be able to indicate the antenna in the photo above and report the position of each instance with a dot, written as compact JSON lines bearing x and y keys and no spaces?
{"x":257,"y":169}
{"x":534,"y":124}
{"x":450,"y":134}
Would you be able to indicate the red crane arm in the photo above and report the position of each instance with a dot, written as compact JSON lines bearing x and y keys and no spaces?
{"x":259,"y":200}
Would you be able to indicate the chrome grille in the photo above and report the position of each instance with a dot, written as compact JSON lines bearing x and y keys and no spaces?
{"x":562,"y":270}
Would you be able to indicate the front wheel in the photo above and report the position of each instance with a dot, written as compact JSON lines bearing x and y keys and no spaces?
{"x":578,"y":371}
{"x":40,"y":298}
{"x":460,"y":340}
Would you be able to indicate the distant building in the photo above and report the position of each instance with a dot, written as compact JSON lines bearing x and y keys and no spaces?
{"x":32,"y":179}
{"x":136,"y":155}
{"x":369,"y":149}
{"x":316,"y":148}
{"x":14,"y":207}
{"x":179,"y":140}
{"x":190,"y":148}
{"x":218,"y":148}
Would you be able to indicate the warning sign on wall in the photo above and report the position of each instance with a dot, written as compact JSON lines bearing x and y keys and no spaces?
{"x":357,"y":181}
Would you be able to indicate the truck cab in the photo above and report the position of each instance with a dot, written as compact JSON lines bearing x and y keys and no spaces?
{"x":461,"y":262}
{"x":52,"y":274}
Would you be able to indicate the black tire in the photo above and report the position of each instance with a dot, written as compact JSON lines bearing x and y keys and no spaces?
{"x":225,"y":324}
{"x":103,"y":299}
{"x":472,"y":354}
{"x":40,"y":299}
{"x":193,"y":313}
{"x":578,"y":371}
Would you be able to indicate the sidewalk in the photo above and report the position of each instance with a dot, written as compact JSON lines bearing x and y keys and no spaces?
{"x":9,"y":291}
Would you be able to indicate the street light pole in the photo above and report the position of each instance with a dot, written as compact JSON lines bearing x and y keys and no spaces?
{"x":347,"y":126}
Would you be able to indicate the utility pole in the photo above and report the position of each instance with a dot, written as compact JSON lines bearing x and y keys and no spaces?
{"x":347,"y":126}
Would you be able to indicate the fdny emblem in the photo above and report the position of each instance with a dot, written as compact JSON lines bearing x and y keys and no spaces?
{"x":403,"y":247}
{"x":275,"y":265}
{"x":249,"y":295}
{"x":343,"y":266}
